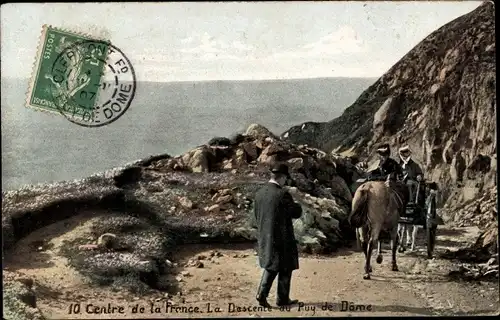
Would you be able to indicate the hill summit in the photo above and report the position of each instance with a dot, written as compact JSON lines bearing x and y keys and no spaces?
{"x":440,"y":99}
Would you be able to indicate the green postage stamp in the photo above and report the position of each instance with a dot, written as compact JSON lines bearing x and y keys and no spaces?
{"x":89,"y":81}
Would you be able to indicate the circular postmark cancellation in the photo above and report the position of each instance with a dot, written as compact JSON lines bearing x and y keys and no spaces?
{"x":93,"y":83}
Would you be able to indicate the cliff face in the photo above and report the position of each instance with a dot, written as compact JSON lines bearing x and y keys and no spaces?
{"x":440,"y":99}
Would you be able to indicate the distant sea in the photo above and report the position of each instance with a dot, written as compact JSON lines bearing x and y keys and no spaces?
{"x":163,"y":118}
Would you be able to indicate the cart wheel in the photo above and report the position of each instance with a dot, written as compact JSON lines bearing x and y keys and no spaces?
{"x":431,"y":240}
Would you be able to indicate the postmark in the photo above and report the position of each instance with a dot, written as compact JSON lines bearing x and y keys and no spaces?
{"x":89,"y":81}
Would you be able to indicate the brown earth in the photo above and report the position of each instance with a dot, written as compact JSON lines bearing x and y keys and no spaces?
{"x":229,"y":274}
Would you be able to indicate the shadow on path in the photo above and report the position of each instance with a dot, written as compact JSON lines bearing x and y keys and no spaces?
{"x":449,"y":231}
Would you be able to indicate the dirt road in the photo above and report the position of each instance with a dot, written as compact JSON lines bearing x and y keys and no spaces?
{"x":227,"y":281}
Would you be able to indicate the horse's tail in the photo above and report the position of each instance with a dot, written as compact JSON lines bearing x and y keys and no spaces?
{"x":359,"y":210}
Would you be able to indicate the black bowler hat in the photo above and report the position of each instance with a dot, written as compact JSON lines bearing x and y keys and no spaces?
{"x":280,"y":168}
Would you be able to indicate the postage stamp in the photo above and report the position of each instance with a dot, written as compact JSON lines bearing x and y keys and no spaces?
{"x":89,"y":81}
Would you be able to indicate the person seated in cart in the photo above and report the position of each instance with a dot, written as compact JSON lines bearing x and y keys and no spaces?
{"x":387,"y":167}
{"x":412,"y":174}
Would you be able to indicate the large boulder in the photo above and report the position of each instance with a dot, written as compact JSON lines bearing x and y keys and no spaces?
{"x":197,"y":160}
{"x":319,"y":228}
{"x":259,"y":132}
{"x":273,"y":153}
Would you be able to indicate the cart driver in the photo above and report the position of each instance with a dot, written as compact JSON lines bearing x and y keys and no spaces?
{"x":412,"y":172}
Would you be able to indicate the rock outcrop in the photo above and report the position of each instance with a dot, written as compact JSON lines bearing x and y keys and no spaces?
{"x":440,"y":99}
{"x":140,"y":212}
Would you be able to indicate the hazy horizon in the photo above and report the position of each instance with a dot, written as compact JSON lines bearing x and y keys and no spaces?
{"x":171,"y":117}
{"x":225,"y":80}
{"x":181,"y":41}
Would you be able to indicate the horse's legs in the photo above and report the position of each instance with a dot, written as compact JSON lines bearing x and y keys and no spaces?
{"x":414,"y":237}
{"x":401,"y":236}
{"x":367,"y":260}
{"x":373,"y":238}
{"x":408,"y":237}
{"x":394,"y":244}
{"x":358,"y":239}
{"x":363,"y":239}
{"x":380,"y":258}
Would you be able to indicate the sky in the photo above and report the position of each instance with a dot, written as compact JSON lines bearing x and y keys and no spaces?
{"x":235,"y":41}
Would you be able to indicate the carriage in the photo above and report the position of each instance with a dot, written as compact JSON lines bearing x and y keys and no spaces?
{"x":420,"y":211}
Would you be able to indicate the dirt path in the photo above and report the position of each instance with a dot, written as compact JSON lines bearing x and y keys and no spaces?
{"x":230,"y":275}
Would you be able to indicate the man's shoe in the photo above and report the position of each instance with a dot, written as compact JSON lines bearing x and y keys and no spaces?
{"x":287,"y":303}
{"x":263,"y":302}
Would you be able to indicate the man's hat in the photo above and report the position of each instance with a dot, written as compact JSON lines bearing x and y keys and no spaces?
{"x":405,"y":149}
{"x":384,"y":149}
{"x":280,"y":168}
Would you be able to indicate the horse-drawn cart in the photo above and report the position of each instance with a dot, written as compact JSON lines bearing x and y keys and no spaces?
{"x":421,"y":211}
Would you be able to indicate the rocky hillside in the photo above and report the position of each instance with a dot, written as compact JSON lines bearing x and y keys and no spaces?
{"x":440,"y":98}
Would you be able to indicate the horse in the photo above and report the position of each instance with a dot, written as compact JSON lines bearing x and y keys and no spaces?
{"x":376,"y":207}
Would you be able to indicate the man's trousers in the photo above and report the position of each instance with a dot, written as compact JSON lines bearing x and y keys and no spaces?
{"x":266,"y":282}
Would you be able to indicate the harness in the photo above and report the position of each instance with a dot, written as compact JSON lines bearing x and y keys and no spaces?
{"x":398,"y":197}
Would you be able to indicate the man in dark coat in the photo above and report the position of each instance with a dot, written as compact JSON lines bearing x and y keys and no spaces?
{"x":412,"y":172}
{"x":277,"y":247}
{"x":412,"y":175}
{"x":387,"y":168}
{"x":390,"y":171}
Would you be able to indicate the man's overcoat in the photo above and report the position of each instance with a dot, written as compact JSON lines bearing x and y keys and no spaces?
{"x":387,"y":167}
{"x":274,"y":209}
{"x":411,"y":169}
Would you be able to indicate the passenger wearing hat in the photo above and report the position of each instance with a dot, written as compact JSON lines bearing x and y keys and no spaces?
{"x":387,"y":168}
{"x":411,"y":171}
{"x":277,"y":248}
